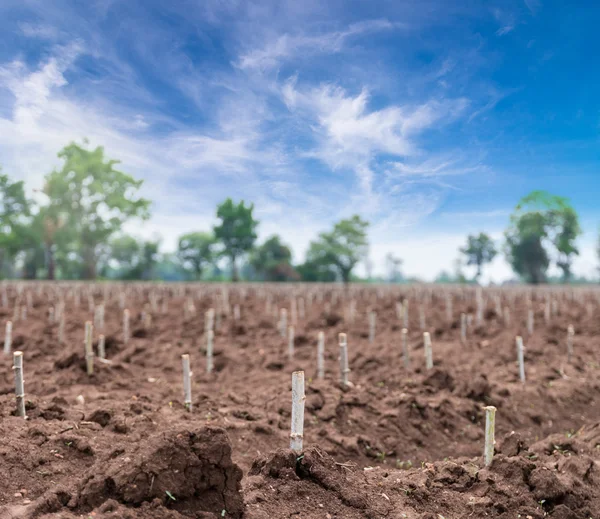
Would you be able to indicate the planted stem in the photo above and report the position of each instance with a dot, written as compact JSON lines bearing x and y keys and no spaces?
{"x":372,"y":324}
{"x":89,"y":351}
{"x":101,"y":347}
{"x":209,"y":350}
{"x":428,"y":351}
{"x":321,"y":356}
{"x":8,"y":337}
{"x":344,"y":369}
{"x":187,"y":382}
{"x":570,"y":335}
{"x":521,"y":359}
{"x":19,"y":385}
{"x":463,"y":328}
{"x":298,"y":399}
{"x":291,"y":332}
{"x":405,"y":354}
{"x":490,"y":427}
{"x":126,"y":326}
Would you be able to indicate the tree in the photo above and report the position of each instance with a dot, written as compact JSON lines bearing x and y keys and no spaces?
{"x":341,"y":248}
{"x":14,"y":207}
{"x":568,"y":230}
{"x":196,"y":251}
{"x":393,"y":264}
{"x":272,"y":261}
{"x":542,"y":224}
{"x":133,"y":258}
{"x":236,"y":232}
{"x":91,"y":200}
{"x":480,"y":250}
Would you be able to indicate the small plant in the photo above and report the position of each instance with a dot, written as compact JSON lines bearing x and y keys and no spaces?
{"x":170,"y":496}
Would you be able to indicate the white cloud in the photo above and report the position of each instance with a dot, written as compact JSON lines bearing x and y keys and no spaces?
{"x":41,"y":31}
{"x":287,"y":46}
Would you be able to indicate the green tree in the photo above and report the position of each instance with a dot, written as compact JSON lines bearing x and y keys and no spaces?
{"x":480,"y":250}
{"x":393,"y":266}
{"x":342,"y":248}
{"x":542,"y":225}
{"x":236,"y":232}
{"x":568,"y":229}
{"x":196,"y":251}
{"x":272,"y":261}
{"x":92,"y":199}
{"x":14,"y":209}
{"x":133,"y":258}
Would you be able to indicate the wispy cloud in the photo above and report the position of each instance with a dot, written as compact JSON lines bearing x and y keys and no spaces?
{"x":286,"y":46}
{"x":41,"y":31}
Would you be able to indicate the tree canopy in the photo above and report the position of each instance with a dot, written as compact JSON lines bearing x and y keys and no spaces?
{"x":542,"y":227}
{"x":273,"y":261}
{"x":236,"y":231}
{"x":196,"y":251}
{"x":342,"y":248}
{"x":479,"y":250}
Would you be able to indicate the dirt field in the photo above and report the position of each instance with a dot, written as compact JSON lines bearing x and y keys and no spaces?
{"x":396,"y":443}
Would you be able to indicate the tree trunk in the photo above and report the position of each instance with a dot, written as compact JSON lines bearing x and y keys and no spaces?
{"x":50,"y":264}
{"x":89,"y":268}
{"x":234,"y":271}
{"x":346,"y":275}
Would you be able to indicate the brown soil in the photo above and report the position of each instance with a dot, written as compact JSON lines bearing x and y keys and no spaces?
{"x":397,"y":443}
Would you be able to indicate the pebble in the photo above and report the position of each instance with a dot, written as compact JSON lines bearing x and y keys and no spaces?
{"x":80,"y":400}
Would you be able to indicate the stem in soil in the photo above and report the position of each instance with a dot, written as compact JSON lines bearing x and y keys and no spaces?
{"x":8,"y":337}
{"x":19,"y":386}
{"x":344,"y":370}
{"x":405,"y":354}
{"x":428,"y":352}
{"x":101,"y":347}
{"x":282,"y":321}
{"x":61,"y":328}
{"x":321,"y":356}
{"x":298,"y":399}
{"x":521,"y":359}
{"x":570,"y":335}
{"x":530,"y":322}
{"x":291,"y":332}
{"x":209,"y":350}
{"x":463,"y":328}
{"x":490,"y":426}
{"x":372,"y":323}
{"x":187,"y":382}
{"x":89,"y":351}
{"x":125,"y":326}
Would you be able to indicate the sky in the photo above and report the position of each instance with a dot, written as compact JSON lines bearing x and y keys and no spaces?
{"x":428,"y":118}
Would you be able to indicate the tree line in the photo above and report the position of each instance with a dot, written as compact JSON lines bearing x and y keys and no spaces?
{"x":74,"y":230}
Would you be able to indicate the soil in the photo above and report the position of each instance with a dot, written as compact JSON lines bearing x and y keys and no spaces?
{"x":397,"y":442}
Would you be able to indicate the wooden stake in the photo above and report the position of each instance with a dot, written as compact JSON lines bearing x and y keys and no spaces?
{"x":321,"y":356}
{"x":187,"y":382}
{"x":298,"y":399}
{"x":490,"y":426}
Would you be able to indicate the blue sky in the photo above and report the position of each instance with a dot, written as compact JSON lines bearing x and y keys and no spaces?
{"x":429,"y":118}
